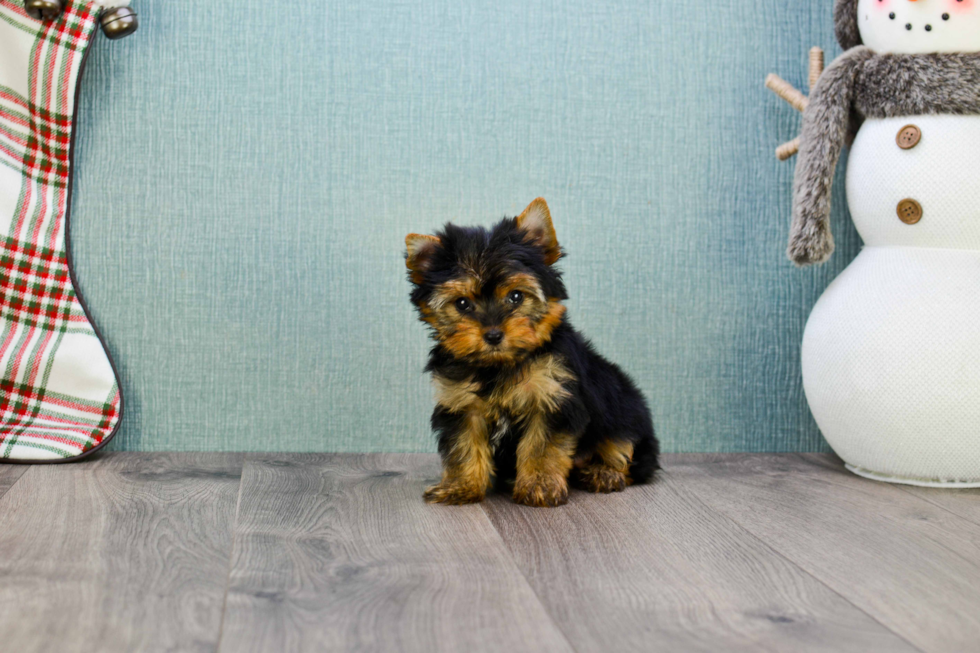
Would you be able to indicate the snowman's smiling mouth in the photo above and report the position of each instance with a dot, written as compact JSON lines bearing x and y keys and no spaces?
{"x":909,"y":26}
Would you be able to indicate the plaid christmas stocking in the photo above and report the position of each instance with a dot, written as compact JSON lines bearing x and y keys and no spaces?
{"x":59,"y":398}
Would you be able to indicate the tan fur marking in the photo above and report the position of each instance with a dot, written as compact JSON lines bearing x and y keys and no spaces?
{"x":427,"y":315}
{"x":458,"y":396}
{"x":537,"y":387}
{"x":524,"y":282}
{"x":543,"y":459}
{"x":536,"y":222}
{"x":467,"y":468}
{"x":601,"y":479}
{"x":471,"y":456}
{"x":418,"y":249}
{"x":552,"y":318}
{"x":465,"y":340}
{"x":543,"y":463}
{"x":527,"y":333}
{"x":461,"y":334}
{"x":527,"y":328}
{"x":608,"y":469}
{"x":452,"y":290}
{"x":617,"y":455}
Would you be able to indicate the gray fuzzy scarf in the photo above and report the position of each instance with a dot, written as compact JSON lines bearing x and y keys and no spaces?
{"x":861,"y":84}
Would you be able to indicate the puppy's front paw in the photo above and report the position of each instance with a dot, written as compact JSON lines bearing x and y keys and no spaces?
{"x":541,"y":491}
{"x":453,"y":494}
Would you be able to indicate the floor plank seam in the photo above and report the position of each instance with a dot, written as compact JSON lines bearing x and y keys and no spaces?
{"x":231,"y":554}
{"x":844,"y":484}
{"x":835,"y":480}
{"x":697,"y":497}
{"x":897,"y":487}
{"x":513,"y":560}
{"x":938,"y":505}
{"x":27,"y":469}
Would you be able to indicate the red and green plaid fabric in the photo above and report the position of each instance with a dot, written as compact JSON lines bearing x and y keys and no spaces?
{"x":59,"y":397}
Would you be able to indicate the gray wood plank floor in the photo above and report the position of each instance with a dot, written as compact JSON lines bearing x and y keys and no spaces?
{"x":126,"y":552}
{"x":668,"y":570}
{"x":913,"y":566}
{"x":339,"y":553}
{"x":311,"y":552}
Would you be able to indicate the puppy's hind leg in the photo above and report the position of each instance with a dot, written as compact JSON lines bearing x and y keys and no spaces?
{"x":608,"y":469}
{"x":646,"y":455}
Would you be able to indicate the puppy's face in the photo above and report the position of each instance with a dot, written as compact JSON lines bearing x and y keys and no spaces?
{"x":492,"y":321}
{"x":491,"y":297}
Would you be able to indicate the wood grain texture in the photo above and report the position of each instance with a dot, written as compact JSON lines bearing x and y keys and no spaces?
{"x":9,"y":475}
{"x":965,"y":503}
{"x":913,"y":566}
{"x":126,"y":552}
{"x":339,"y":553}
{"x":653,"y":568}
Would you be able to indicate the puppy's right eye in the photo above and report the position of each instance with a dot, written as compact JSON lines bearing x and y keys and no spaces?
{"x":464,"y":305}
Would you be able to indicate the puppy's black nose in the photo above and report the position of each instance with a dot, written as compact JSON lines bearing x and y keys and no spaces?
{"x":493,"y":336}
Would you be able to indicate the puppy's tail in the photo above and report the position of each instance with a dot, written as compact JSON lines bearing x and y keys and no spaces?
{"x":646,"y":453}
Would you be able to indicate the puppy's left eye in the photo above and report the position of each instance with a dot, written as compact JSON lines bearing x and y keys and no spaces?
{"x":515,"y":297}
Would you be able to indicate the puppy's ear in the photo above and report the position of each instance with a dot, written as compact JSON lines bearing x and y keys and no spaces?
{"x":419,"y":252}
{"x":536,"y":223}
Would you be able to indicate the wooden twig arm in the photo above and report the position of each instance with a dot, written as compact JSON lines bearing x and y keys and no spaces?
{"x":795,"y":98}
{"x":787,"y":150}
{"x":785,"y":90}
{"x":816,"y":66}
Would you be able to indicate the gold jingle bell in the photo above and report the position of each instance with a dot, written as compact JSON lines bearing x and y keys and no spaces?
{"x":119,"y":22}
{"x":43,"y":9}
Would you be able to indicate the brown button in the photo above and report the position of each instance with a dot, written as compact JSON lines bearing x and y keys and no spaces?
{"x":909,"y":211}
{"x":909,"y":137}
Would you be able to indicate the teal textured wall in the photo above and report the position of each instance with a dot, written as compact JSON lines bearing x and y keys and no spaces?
{"x":247,"y":172}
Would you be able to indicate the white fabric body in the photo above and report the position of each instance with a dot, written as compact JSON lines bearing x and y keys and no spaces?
{"x":940,"y":173}
{"x":891,"y":353}
{"x":891,"y":363}
{"x":919,"y":26}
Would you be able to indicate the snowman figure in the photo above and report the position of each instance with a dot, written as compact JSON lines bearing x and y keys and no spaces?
{"x":891,"y":352}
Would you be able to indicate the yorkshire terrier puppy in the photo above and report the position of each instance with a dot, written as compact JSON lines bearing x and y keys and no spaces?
{"x":521,"y":396}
